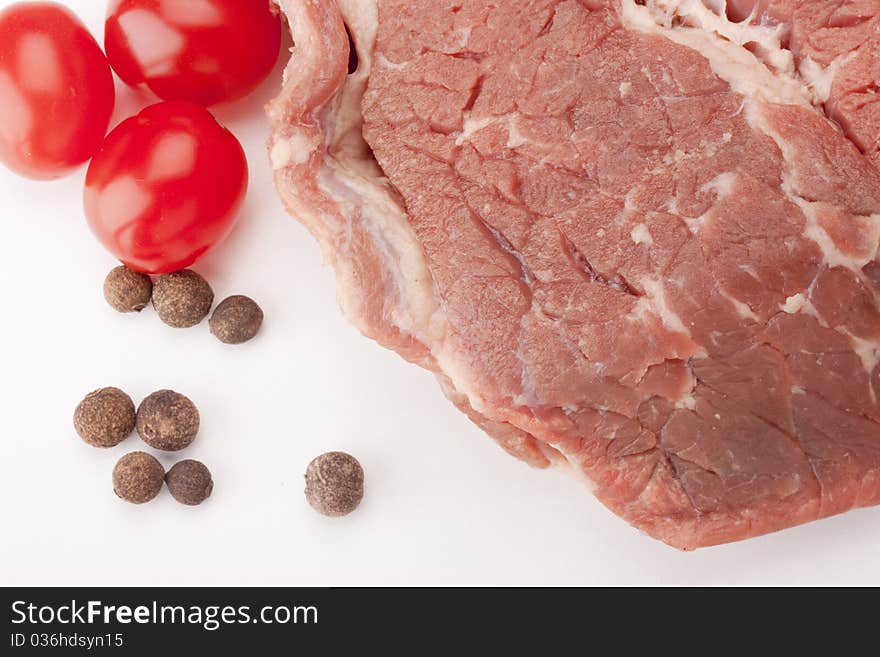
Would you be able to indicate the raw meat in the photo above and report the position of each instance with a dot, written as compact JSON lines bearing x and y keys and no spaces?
{"x":636,"y":238}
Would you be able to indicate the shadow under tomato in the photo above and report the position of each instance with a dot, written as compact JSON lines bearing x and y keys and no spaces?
{"x":252,"y":106}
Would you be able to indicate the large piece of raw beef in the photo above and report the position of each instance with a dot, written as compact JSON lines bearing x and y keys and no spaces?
{"x":638,"y":238}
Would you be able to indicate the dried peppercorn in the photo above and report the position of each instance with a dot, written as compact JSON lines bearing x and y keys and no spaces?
{"x":138,"y":477}
{"x":236,"y":320}
{"x":105,"y":417}
{"x":334,"y":483}
{"x":167,"y":420}
{"x":127,"y":291}
{"x":182,"y":299}
{"x":190,"y":482}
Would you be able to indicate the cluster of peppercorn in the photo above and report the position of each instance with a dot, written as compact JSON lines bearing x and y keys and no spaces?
{"x":167,"y":421}
{"x":183,"y":299}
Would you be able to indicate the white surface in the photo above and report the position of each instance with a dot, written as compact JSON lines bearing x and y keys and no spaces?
{"x":444,"y":505}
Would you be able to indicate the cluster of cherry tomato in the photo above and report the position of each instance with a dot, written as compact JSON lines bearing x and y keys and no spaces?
{"x":166,"y":184}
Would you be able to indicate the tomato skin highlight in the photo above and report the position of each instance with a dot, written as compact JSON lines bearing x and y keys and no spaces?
{"x":205,"y":51}
{"x":165,"y":187}
{"x":56,"y":90}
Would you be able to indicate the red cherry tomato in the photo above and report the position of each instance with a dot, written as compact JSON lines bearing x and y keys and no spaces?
{"x":206,"y":51}
{"x":56,"y":90}
{"x":165,"y":187}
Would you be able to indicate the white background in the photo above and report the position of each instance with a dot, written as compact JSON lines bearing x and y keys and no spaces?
{"x":444,"y":505}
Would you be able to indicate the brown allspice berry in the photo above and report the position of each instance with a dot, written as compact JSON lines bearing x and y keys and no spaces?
{"x":126,"y":290}
{"x":167,"y":420}
{"x":105,"y":417}
{"x":182,"y":299}
{"x":334,"y":484}
{"x":236,"y":319}
{"x":138,"y":477}
{"x":190,"y":482}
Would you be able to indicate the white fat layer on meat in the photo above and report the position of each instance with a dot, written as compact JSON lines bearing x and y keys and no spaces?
{"x":343,"y":124}
{"x":384,"y":62}
{"x":831,"y":254}
{"x":515,"y":138}
{"x":307,"y":35}
{"x":688,"y":402}
{"x":820,"y":79}
{"x":294,"y":150}
{"x":868,"y":352}
{"x":280,"y":154}
{"x":695,"y":224}
{"x":721,"y":41}
{"x":794,"y":304}
{"x":722,"y":185}
{"x":654,"y":302}
{"x":471,"y":126}
{"x":640,"y":234}
{"x":393,"y":239}
{"x":742,"y":309}
{"x":353,"y":179}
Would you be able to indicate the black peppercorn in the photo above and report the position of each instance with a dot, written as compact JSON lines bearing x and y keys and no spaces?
{"x":138,"y":477}
{"x":105,"y":417}
{"x":189,"y":482}
{"x":236,"y":320}
{"x":182,"y":299}
{"x":334,"y":484}
{"x":167,"y":420}
{"x":126,"y":290}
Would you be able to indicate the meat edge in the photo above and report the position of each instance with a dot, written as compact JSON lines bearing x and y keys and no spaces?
{"x":328,"y":180}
